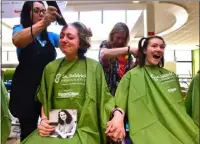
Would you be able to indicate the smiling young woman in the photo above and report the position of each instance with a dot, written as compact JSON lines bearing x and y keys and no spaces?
{"x":152,"y":99}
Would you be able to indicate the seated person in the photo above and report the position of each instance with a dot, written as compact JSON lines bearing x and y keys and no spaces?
{"x":192,"y":99}
{"x":151,"y":98}
{"x":76,"y":82}
{"x":5,"y":117}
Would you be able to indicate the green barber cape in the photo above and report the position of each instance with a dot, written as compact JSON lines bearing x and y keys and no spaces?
{"x":151,"y":97}
{"x":192,"y":99}
{"x":95,"y":112}
{"x":5,"y":117}
{"x":69,"y":86}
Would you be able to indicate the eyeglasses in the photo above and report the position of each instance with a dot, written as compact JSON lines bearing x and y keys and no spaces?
{"x":37,"y":10}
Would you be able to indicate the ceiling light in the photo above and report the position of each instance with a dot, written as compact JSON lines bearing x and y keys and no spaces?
{"x":135,"y":1}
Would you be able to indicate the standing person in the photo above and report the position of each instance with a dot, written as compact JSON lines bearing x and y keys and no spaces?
{"x":192,"y":99}
{"x":115,"y":57}
{"x":33,"y":56}
{"x":76,"y":82}
{"x":151,"y":97}
{"x":5,"y":117}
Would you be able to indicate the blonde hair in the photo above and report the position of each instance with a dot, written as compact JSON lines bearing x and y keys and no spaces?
{"x":119,"y":27}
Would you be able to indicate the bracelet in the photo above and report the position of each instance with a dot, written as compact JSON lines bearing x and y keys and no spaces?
{"x":116,"y":109}
{"x":128,"y":50}
{"x":43,"y":119}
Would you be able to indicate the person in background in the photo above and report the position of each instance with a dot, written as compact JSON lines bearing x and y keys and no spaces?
{"x":192,"y":99}
{"x":5,"y":117}
{"x":116,"y":57}
{"x":35,"y":49}
{"x":151,"y":98}
{"x":78,"y":83}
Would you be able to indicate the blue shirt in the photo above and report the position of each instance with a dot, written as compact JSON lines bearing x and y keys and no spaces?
{"x":54,"y":38}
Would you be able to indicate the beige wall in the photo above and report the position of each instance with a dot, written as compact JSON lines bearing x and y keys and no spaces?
{"x":171,"y":66}
{"x":195,"y":61}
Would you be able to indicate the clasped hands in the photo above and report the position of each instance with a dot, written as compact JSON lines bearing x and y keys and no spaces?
{"x":115,"y":127}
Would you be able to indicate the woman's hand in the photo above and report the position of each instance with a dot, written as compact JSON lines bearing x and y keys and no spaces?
{"x":115,"y":128}
{"x":50,"y":16}
{"x":44,"y":128}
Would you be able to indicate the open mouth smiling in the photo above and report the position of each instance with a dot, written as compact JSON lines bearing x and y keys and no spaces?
{"x":156,"y":56}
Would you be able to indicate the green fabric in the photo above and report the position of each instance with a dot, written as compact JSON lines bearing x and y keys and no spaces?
{"x":151,"y":97}
{"x":95,"y":111}
{"x":69,"y":89}
{"x":192,"y":99}
{"x":5,"y":117}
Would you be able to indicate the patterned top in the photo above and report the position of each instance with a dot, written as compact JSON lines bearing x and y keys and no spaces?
{"x":114,"y":69}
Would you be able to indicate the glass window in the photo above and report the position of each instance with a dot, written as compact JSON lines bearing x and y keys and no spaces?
{"x":93,"y":54}
{"x":184,"y":69}
{"x":4,"y":56}
{"x":184,"y":55}
{"x":70,"y":16}
{"x":95,"y":46}
{"x":6,"y":34}
{"x":169,"y":55}
{"x":92,"y":20}
{"x":113,"y":16}
{"x":11,"y":21}
{"x":132,"y":16}
{"x":12,"y":57}
{"x":56,"y":28}
{"x":90,"y":17}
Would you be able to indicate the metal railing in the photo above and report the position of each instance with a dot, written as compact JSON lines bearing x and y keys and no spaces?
{"x":6,"y":56}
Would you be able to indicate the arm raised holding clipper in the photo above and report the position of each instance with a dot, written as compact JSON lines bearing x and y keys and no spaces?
{"x":42,"y":21}
{"x":35,"y":47}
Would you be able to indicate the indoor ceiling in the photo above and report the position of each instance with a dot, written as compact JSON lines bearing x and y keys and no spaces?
{"x":188,"y":34}
{"x":177,"y":22}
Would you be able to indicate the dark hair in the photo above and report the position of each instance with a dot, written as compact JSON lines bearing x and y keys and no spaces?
{"x":141,"y":47}
{"x":84,"y":35}
{"x":25,"y":19}
{"x":119,"y":27}
{"x":68,"y":120}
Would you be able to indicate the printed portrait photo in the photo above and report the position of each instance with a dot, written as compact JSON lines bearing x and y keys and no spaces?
{"x":65,"y":121}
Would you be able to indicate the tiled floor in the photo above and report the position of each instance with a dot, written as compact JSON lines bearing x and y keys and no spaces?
{"x":13,"y":141}
{"x":15,"y":132}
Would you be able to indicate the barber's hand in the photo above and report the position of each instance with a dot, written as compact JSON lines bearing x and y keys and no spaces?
{"x":50,"y":16}
{"x":134,"y":51}
{"x":45,"y":129}
{"x":115,"y":128}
